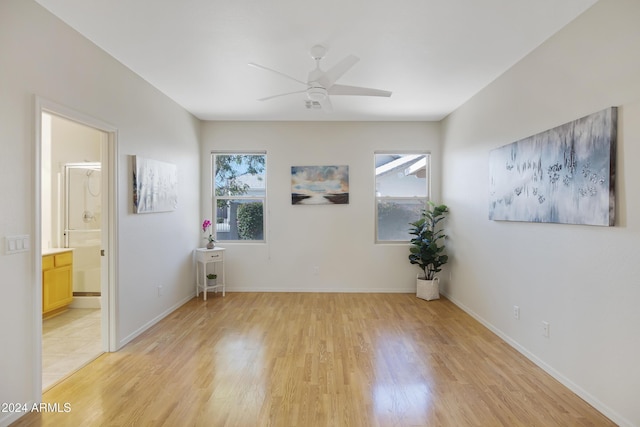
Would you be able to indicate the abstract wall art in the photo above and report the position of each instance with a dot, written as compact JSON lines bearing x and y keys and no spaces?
{"x":319,"y":185}
{"x":563,"y":175}
{"x":155,"y":186}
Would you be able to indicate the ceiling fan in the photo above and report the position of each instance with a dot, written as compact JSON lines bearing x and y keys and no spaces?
{"x":321,"y":84}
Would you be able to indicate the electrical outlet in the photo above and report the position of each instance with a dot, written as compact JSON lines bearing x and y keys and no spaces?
{"x":316,"y":271}
{"x":545,"y":329}
{"x":159,"y":291}
{"x":516,"y":312}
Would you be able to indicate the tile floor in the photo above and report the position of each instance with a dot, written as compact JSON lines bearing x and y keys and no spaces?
{"x":69,"y":341}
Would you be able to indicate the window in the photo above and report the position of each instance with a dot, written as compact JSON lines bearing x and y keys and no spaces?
{"x":402,"y":192}
{"x":239,"y":195}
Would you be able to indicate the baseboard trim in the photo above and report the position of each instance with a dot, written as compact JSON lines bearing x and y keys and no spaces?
{"x":324,"y":290}
{"x":582,"y":393}
{"x":153,"y":321}
{"x":86,"y":302}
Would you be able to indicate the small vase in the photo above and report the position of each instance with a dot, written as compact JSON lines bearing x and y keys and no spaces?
{"x":210,"y":245}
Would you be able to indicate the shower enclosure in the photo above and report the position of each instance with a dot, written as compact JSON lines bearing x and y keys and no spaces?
{"x":82,"y":224}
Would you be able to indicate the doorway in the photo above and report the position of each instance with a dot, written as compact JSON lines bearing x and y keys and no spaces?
{"x":76,"y":158}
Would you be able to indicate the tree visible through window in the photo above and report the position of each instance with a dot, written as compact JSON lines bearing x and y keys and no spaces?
{"x":239,"y":196}
{"x":402,"y":192}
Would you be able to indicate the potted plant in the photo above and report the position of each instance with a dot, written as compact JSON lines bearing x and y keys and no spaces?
{"x":206,"y":224}
{"x":427,"y":250}
{"x":211,"y":279}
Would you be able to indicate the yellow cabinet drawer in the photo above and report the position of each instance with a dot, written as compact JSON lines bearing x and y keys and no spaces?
{"x":47,"y":262}
{"x":65,"y":258}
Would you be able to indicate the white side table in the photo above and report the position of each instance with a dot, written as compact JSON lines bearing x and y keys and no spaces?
{"x":204,"y":257}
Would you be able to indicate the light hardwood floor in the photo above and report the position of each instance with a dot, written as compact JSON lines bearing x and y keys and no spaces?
{"x":307,"y":359}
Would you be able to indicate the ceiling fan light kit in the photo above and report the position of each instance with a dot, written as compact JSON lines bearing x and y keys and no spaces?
{"x":321,"y":84}
{"x":312,"y":104}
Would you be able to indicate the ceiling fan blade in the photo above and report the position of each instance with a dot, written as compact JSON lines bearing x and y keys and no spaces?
{"x":338,"y":70}
{"x":262,"y":67}
{"x":281,"y":94}
{"x":355,"y":90}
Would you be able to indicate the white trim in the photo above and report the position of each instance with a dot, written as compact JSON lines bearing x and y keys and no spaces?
{"x":155,"y":320}
{"x":109,"y":147}
{"x":349,"y":290}
{"x":110,"y":243}
{"x":582,"y":393}
{"x":37,"y":252}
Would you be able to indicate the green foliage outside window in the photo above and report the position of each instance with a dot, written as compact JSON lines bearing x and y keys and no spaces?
{"x":239,"y":195}
{"x":250,"y":220}
{"x":229,"y":167}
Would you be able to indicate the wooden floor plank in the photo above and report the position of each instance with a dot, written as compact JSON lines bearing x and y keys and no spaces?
{"x":308,"y":359}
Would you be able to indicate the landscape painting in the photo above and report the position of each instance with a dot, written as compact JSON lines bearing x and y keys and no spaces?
{"x":563,"y":175}
{"x":319,"y":185}
{"x":155,"y":186}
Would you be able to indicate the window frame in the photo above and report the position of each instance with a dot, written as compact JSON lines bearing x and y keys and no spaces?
{"x":378,"y":199}
{"x":215,"y":198}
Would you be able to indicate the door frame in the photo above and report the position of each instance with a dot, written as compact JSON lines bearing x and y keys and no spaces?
{"x":109,"y":242}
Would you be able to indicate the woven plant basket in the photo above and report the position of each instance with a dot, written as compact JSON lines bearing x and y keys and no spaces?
{"x":428,"y":289}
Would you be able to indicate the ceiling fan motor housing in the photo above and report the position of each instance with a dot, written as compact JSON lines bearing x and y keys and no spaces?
{"x":317,"y":93}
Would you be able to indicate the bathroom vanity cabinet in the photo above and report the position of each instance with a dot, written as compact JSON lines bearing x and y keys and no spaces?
{"x":57,"y":281}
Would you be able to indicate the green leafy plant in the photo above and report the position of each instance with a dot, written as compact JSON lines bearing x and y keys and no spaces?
{"x":230,"y":167}
{"x":250,"y":220}
{"x":427,"y":248}
{"x":212,"y":276}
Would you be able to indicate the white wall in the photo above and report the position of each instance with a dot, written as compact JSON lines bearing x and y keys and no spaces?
{"x":39,"y":55}
{"x":583,"y":280}
{"x":338,"y":239}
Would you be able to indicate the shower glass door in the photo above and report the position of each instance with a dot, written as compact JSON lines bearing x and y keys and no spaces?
{"x":82,"y":222}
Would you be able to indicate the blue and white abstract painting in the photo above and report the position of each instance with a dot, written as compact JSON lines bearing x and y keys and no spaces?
{"x":563,"y":175}
{"x":155,"y":186}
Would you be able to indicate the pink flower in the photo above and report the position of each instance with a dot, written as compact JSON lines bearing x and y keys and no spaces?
{"x":205,"y":226}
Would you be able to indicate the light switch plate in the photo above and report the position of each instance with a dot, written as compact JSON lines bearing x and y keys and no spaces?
{"x":16,"y":244}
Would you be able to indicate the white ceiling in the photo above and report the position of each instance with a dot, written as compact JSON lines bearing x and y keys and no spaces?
{"x":432,"y":54}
